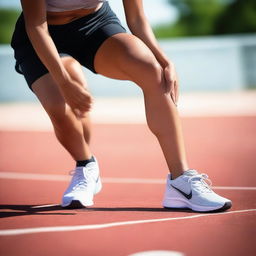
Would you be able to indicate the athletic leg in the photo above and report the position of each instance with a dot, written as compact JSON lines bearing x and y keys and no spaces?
{"x":75,"y":71}
{"x":72,"y":133}
{"x":132,"y":60}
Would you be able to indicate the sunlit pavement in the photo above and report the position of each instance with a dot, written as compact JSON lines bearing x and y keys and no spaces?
{"x":31,"y":116}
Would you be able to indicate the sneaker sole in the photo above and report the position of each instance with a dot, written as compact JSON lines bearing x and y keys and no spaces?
{"x":225,"y":207}
{"x":76,"y":204}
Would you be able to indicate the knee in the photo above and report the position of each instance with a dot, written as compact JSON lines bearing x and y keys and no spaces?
{"x":149,"y":75}
{"x":75,"y":70}
{"x":70,"y":63}
{"x":155,"y":72}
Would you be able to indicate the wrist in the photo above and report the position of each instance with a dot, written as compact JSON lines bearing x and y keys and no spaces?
{"x":61,"y":76}
{"x":164,"y":62}
{"x":169,"y":64}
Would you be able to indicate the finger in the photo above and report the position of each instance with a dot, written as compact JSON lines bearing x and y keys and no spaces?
{"x":177,"y":87}
{"x":83,"y":105}
{"x":173,"y":97}
{"x":172,"y":91}
{"x":168,"y":81}
{"x":167,"y":75}
{"x":169,"y":78}
{"x":177,"y":91}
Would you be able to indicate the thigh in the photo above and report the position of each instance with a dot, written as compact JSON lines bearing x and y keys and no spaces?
{"x":125,"y":57}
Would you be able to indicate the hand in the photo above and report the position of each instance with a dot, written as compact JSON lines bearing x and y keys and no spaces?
{"x":172,"y":83}
{"x":77,"y":97}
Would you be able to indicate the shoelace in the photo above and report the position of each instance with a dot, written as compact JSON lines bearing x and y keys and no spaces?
{"x":201,"y":182}
{"x":80,"y":179}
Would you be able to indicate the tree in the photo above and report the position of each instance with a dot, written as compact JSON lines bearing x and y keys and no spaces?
{"x":209,"y":17}
{"x":8,"y":19}
{"x":197,"y":17}
{"x":238,"y":17}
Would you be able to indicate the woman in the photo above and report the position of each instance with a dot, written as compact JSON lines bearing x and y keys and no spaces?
{"x":53,"y":37}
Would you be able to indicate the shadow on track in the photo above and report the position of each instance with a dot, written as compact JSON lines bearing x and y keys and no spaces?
{"x":7,"y":211}
{"x":135,"y":209}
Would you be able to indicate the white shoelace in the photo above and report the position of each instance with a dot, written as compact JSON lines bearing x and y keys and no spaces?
{"x":80,"y":179}
{"x":201,"y":182}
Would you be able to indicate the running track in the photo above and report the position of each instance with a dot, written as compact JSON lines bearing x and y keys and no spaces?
{"x":127,"y":216}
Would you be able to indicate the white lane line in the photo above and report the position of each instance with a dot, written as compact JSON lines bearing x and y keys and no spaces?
{"x":233,"y":188}
{"x":23,"y":231}
{"x":44,"y":206}
{"x":158,"y":253}
{"x":33,"y":176}
{"x":59,"y":177}
{"x":134,"y":180}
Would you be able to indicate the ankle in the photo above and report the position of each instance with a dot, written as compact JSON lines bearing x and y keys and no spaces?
{"x":83,"y":163}
{"x":175,"y":174}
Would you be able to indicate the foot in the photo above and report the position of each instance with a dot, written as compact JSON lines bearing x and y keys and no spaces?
{"x":191,"y":190}
{"x":84,"y":185}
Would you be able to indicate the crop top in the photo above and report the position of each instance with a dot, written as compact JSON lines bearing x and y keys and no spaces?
{"x":68,"y":5}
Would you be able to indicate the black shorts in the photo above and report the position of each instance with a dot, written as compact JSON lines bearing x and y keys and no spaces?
{"x":80,"y":39}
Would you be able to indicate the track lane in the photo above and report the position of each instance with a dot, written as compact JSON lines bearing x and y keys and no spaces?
{"x":228,"y":161}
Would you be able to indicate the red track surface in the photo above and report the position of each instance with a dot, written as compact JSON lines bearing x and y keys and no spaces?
{"x":223,"y":147}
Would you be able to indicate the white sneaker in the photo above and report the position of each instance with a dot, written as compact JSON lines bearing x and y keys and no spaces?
{"x":190,"y":190}
{"x":84,"y":185}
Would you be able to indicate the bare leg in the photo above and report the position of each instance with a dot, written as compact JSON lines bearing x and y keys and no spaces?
{"x":75,"y":71}
{"x":72,"y":133}
{"x":132,"y":60}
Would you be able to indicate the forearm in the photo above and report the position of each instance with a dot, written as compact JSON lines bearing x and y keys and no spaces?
{"x":142,"y":30}
{"x":37,"y":30}
{"x":47,"y":52}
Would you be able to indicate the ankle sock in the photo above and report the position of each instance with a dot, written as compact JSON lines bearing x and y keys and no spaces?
{"x":83,"y":163}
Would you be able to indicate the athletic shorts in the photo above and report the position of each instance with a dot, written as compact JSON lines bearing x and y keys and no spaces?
{"x":79,"y":39}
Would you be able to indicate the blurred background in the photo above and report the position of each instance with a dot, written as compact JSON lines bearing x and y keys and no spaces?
{"x":212,"y":43}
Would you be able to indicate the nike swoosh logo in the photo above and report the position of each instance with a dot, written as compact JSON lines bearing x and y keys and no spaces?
{"x":188,"y":196}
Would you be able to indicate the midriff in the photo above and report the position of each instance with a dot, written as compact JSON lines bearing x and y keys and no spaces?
{"x":59,"y":18}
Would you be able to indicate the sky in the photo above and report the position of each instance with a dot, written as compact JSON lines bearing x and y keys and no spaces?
{"x":157,"y":11}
